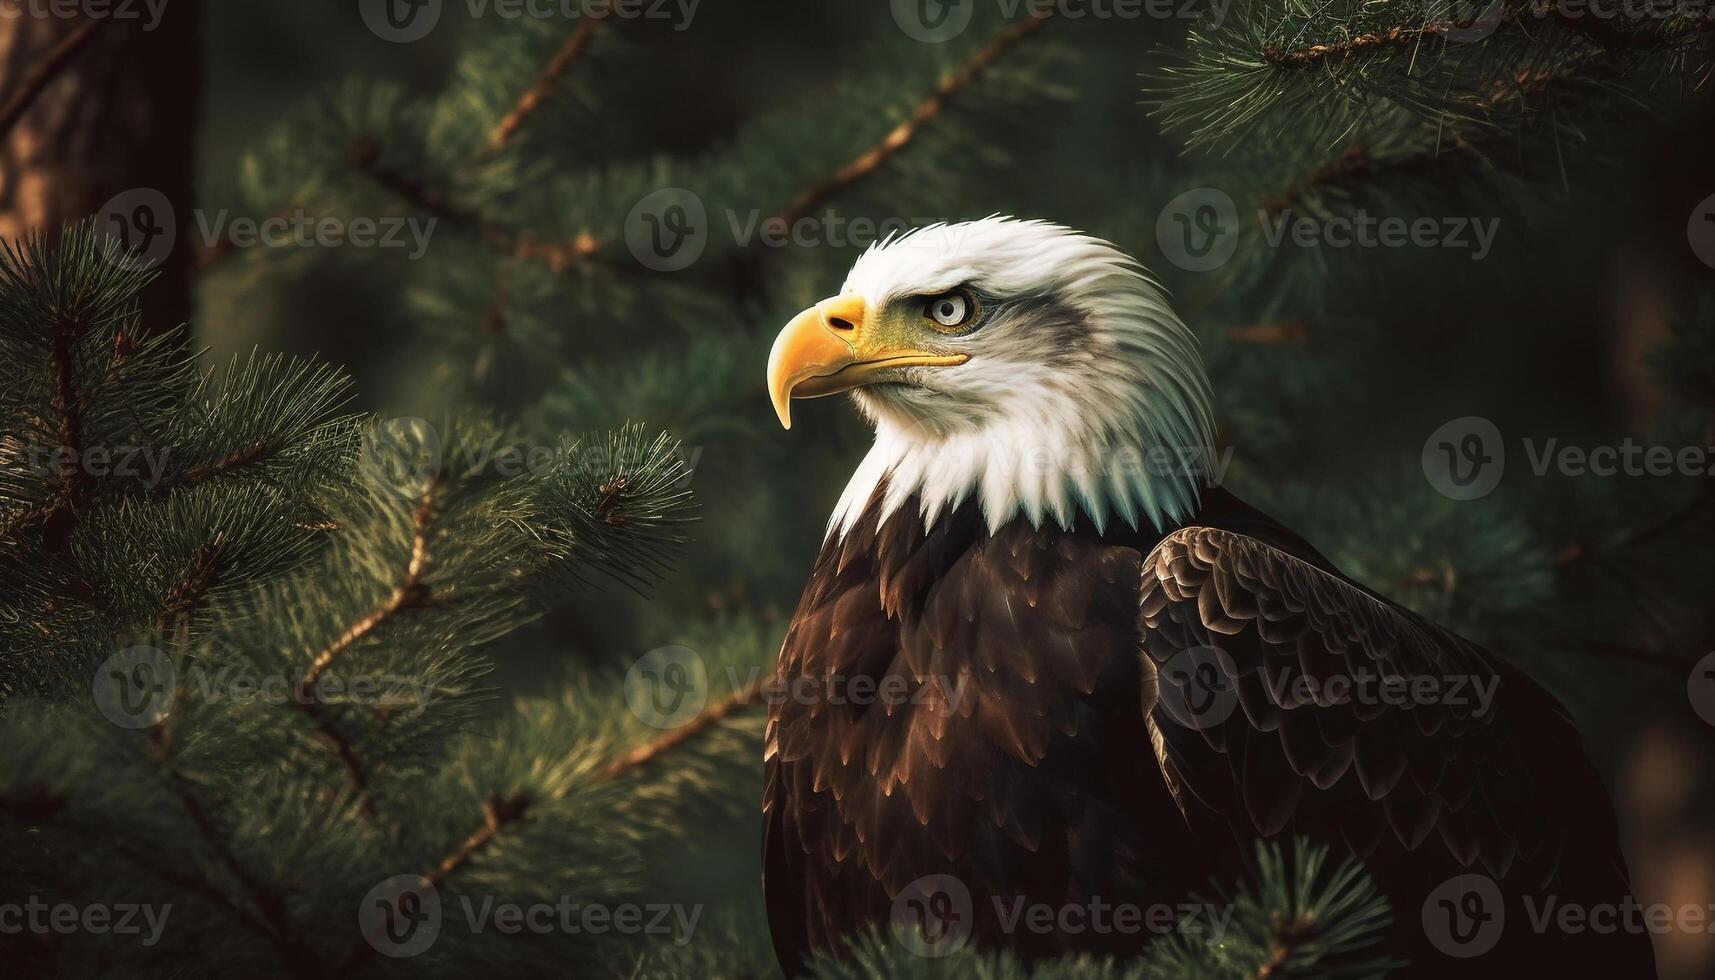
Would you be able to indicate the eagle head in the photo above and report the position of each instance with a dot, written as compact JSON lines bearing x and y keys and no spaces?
{"x":1027,"y":366}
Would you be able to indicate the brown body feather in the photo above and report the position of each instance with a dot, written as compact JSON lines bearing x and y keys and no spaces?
{"x":990,"y":706}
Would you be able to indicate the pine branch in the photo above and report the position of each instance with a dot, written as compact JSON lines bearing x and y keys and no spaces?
{"x":207,"y":255}
{"x":1656,"y":658}
{"x":498,"y":812}
{"x":40,"y":75}
{"x":1288,"y":935}
{"x":900,"y":136}
{"x":1317,"y":55}
{"x":1291,"y":333}
{"x":502,"y":811}
{"x":710,"y":716}
{"x":255,"y":451}
{"x":65,"y":331}
{"x":539,"y":90}
{"x":1699,"y":504}
{"x":271,"y":908}
{"x":355,"y":767}
{"x":410,"y":593}
{"x":192,"y":588}
{"x":41,"y":805}
{"x":1354,"y":161}
{"x":363,"y":156}
{"x":1321,"y":72}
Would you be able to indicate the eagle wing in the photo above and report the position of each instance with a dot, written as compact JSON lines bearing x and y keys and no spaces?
{"x":1259,"y":722}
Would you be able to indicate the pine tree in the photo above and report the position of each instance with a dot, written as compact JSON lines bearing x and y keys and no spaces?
{"x":414,"y":547}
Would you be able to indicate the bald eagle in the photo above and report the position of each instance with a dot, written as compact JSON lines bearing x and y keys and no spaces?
{"x":1009,"y":666}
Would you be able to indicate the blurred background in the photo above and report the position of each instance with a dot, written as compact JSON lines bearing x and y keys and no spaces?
{"x":587,"y":216}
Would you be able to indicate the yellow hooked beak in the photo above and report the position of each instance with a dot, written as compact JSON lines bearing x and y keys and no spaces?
{"x":834,"y":346}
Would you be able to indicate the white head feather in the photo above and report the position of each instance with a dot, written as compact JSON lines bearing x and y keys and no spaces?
{"x":1084,"y":391}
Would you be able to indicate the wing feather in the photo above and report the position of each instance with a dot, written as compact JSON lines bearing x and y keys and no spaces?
{"x":1291,"y":752}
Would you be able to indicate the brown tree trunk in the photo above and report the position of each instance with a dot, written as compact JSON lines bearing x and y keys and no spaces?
{"x":98,"y":113}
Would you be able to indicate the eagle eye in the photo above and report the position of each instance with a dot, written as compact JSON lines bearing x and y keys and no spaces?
{"x":950,"y":310}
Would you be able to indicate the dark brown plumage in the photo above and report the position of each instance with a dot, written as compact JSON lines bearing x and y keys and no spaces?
{"x":1035,"y":755}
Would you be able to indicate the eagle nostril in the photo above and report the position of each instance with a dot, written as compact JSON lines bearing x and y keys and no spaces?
{"x":841,"y":323}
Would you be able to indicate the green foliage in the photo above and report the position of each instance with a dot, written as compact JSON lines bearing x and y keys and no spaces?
{"x":135,"y":488}
{"x":291,"y":623}
{"x":440,"y":561}
{"x":1301,"y":916}
{"x":1298,"y":917}
{"x":531,"y":235}
{"x":1460,"y":72}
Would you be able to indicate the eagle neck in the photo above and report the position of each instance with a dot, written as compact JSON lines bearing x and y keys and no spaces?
{"x":1041,"y":472}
